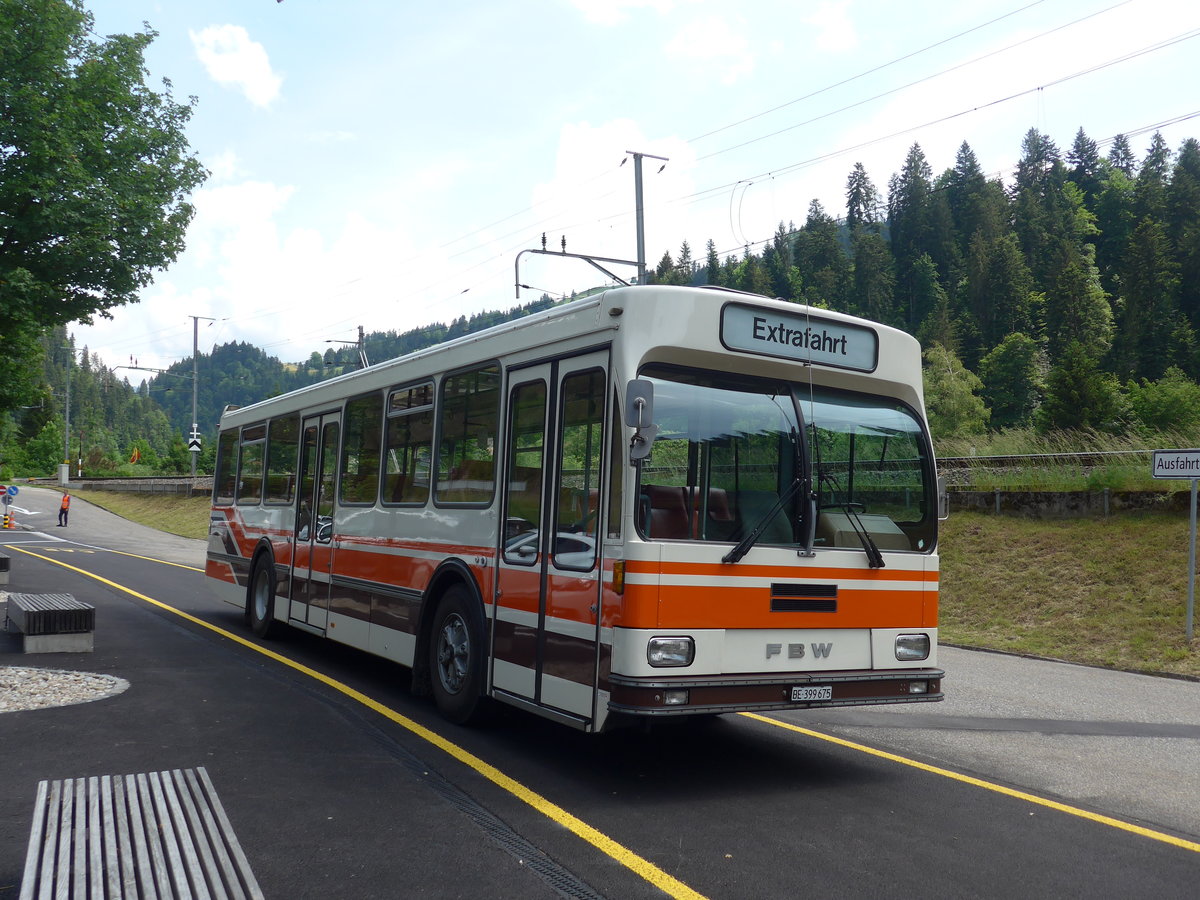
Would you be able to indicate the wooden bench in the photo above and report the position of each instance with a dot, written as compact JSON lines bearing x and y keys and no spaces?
{"x":51,"y":623}
{"x":154,"y":835}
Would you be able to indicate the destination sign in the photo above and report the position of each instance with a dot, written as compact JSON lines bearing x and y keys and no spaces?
{"x":799,"y":337}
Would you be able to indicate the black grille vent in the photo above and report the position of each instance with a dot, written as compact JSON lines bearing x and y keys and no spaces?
{"x":804,"y":590}
{"x":803,"y":604}
{"x":804,"y":598}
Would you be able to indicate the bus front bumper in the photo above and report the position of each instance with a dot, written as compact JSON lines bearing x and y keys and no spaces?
{"x":692,"y":695}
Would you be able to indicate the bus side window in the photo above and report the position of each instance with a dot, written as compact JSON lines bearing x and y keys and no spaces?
{"x":581,"y":450}
{"x":408,"y":445}
{"x":360,"y":449}
{"x":283,"y":442}
{"x":467,"y":436}
{"x":226,"y":475}
{"x":250,"y":465}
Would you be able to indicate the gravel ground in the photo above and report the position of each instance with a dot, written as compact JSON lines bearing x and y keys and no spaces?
{"x":22,"y":687}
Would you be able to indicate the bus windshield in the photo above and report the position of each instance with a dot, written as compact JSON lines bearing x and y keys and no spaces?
{"x":728,"y":449}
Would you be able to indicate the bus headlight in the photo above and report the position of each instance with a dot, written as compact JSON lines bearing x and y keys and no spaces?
{"x":670,"y":651}
{"x":912,"y":646}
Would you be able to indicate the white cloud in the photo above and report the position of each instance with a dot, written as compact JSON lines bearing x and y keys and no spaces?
{"x":332,"y":137}
{"x":834,"y":31}
{"x":713,"y":41}
{"x":614,"y":12}
{"x":232,"y":59}
{"x":224,"y":166}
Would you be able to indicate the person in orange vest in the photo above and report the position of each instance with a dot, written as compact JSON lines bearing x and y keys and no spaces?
{"x":64,"y":509}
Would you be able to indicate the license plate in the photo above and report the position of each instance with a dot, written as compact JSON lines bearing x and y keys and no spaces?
{"x":809,"y":694}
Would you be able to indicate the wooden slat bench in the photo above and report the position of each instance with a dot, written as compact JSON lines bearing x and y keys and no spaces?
{"x":156,"y":835}
{"x":52,"y":623}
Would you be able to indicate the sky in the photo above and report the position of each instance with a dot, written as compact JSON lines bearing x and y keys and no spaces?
{"x":382,"y":164}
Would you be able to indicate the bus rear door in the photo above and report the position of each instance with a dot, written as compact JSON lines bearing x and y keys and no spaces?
{"x":312,"y":540}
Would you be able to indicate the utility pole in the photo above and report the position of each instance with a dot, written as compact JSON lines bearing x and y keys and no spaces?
{"x":67,"y":411}
{"x":361,"y":343}
{"x":194,"y":436}
{"x":637,"y":190}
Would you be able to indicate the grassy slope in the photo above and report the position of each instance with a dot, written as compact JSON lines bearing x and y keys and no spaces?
{"x":1107,"y":592}
{"x":187,"y":516}
{"x":1103,"y":592}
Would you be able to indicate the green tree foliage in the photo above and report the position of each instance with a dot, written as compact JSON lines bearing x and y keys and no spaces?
{"x":1085,"y":172}
{"x":1079,"y":394}
{"x":1169,"y":405}
{"x":1077,"y":309}
{"x":999,"y":288}
{"x":909,"y":224}
{"x":94,"y":174}
{"x":862,"y":199}
{"x":712,"y":262}
{"x":1143,"y":346}
{"x":952,"y":400}
{"x":1120,"y":156}
{"x":1012,"y":377}
{"x":822,"y":259}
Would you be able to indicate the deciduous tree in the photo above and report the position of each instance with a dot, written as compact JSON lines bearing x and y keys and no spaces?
{"x":95,"y":172}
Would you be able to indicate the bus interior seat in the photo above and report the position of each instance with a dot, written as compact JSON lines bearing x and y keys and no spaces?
{"x":666,"y":511}
{"x":718,"y":521}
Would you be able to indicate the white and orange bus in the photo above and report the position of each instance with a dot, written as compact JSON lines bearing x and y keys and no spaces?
{"x":655,"y":501}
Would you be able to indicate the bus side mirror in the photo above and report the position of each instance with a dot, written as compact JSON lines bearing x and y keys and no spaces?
{"x":943,"y":496}
{"x":639,"y":415}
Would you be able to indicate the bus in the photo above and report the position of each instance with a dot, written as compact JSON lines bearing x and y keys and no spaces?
{"x":651,"y":502}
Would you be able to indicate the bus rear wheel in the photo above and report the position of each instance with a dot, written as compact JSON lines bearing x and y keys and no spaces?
{"x":260,"y":598}
{"x":456,"y":657}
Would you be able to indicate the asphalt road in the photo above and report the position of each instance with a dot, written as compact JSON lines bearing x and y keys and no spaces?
{"x":331,"y":798}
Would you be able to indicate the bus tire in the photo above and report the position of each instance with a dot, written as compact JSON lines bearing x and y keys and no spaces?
{"x":260,"y":597}
{"x":456,"y":656}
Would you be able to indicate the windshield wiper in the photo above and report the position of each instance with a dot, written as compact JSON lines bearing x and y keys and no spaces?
{"x":744,"y":545}
{"x":874,"y":557}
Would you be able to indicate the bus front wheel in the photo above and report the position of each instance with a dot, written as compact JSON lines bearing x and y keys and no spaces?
{"x":456,"y":656}
{"x":260,"y":599}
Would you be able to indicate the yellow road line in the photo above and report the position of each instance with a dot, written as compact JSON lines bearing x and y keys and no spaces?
{"x":986,"y":785}
{"x":641,"y":867}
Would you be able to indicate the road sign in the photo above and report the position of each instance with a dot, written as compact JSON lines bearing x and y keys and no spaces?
{"x":194,"y":439}
{"x":11,"y":490}
{"x":1175,"y":464}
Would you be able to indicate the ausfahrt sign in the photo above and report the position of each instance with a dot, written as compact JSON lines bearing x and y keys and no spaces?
{"x":1175,"y":464}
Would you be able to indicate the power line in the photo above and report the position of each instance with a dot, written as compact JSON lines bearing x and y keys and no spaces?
{"x":910,"y":84}
{"x":867,"y":72}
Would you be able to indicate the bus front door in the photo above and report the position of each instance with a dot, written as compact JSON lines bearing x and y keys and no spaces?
{"x":546,"y":635}
{"x":312,"y":550}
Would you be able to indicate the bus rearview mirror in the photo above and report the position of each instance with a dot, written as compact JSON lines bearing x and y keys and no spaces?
{"x":639,"y":415}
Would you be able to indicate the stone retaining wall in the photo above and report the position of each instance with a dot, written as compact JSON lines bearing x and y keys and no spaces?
{"x":1068,"y":504}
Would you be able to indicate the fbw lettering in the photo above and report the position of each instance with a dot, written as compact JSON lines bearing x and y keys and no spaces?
{"x":796,"y":651}
{"x":808,"y":338}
